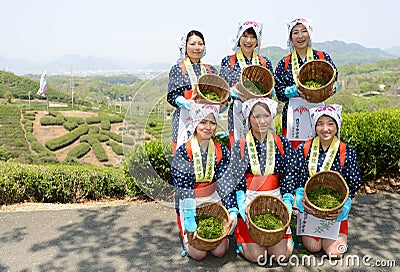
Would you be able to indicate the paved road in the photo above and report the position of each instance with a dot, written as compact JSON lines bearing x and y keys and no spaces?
{"x":144,"y":237}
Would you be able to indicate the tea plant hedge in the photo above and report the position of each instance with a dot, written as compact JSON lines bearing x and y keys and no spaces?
{"x":62,"y":183}
{"x":375,"y":136}
{"x":67,"y":139}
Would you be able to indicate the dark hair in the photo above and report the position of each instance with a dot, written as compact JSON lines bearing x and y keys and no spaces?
{"x":195,"y":33}
{"x":251,"y":31}
{"x":334,"y":120}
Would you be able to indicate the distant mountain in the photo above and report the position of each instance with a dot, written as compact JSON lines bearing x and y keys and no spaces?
{"x":342,"y":53}
{"x":78,"y":63}
{"x":394,"y":51}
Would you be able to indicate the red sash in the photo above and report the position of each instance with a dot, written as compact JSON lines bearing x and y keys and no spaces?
{"x":204,"y":189}
{"x":262,"y":183}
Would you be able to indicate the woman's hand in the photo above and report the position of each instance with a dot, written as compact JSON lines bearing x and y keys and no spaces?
{"x":232,"y":222}
{"x":194,"y":96}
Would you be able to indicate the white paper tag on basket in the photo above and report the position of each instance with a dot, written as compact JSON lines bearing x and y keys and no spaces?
{"x":299,"y":127}
{"x":308,"y":224}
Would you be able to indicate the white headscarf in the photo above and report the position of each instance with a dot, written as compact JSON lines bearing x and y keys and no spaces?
{"x":192,"y":118}
{"x":334,"y":111}
{"x":182,"y":40}
{"x":242,"y":27}
{"x":249,"y":104}
{"x":306,"y":22}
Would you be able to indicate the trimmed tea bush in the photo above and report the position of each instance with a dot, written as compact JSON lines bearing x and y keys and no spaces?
{"x":375,"y":136}
{"x":62,"y":183}
{"x":67,"y":139}
{"x":79,"y":151}
{"x":150,"y":166}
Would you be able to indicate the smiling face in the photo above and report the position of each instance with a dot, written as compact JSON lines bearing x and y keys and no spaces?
{"x":326,"y":129}
{"x":195,"y":48}
{"x":260,"y":119}
{"x":206,"y":128}
{"x":248,"y":41}
{"x":300,"y":36}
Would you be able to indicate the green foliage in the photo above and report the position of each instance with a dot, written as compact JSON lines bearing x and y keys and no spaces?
{"x":77,"y":120}
{"x":105,"y":124}
{"x":150,"y":166}
{"x":116,"y":137}
{"x":117,"y":148}
{"x":99,"y":151}
{"x":5,"y":154}
{"x":79,"y":151}
{"x":20,"y":87}
{"x":93,"y":130}
{"x":67,"y":139}
{"x":55,"y":119}
{"x":102,"y":137}
{"x":93,"y":120}
{"x":62,"y":183}
{"x":128,"y":140}
{"x":12,"y":136}
{"x":375,"y":136}
{"x":70,"y":125}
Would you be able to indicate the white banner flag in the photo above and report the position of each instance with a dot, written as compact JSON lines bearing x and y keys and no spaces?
{"x":43,"y":85}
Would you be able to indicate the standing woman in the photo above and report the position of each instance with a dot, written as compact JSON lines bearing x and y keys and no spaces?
{"x":259,"y":162}
{"x":184,"y":74}
{"x":286,"y":72}
{"x":195,"y":169}
{"x":325,"y":152}
{"x":247,"y":41}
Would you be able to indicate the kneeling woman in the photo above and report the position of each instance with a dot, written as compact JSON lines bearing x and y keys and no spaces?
{"x":325,"y":152}
{"x":260,"y":161}
{"x":195,"y":168}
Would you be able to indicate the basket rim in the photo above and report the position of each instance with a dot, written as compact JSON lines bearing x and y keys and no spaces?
{"x":262,"y":229}
{"x":226,"y":231}
{"x":308,"y":63}
{"x":224,"y":82}
{"x":334,"y":208}
{"x":241,"y":80}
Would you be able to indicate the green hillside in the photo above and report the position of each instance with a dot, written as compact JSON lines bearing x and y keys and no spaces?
{"x":342,"y":53}
{"x":22,"y":88}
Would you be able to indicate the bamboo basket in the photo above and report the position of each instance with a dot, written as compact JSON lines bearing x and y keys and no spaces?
{"x":267,"y":204}
{"x":330,"y":179}
{"x":258,"y":74}
{"x":213,"y":83}
{"x":217,"y":210}
{"x":316,"y":69}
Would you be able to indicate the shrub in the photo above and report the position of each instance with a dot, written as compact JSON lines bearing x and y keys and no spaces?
{"x":375,"y":136}
{"x":93,"y":130}
{"x":51,"y":121}
{"x":116,"y":147}
{"x":93,"y":120}
{"x":79,"y":151}
{"x":105,"y":124}
{"x":70,"y":125}
{"x":62,"y":183}
{"x":150,"y":167}
{"x":116,"y":137}
{"x":67,"y":139}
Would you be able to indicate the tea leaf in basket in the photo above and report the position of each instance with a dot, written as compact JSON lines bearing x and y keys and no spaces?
{"x":268,"y":221}
{"x":210,"y":95}
{"x":324,"y":197}
{"x":209,"y":227}
{"x":315,"y":83}
{"x":254,"y":87}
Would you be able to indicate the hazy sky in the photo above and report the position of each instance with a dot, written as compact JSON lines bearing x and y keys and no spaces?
{"x":147,"y":30}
